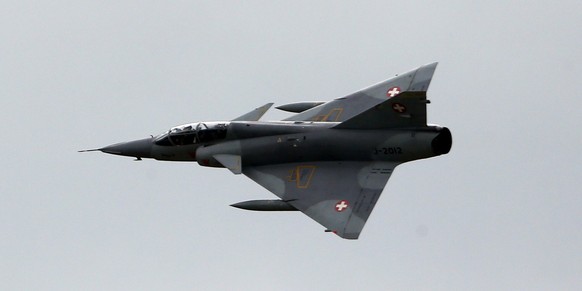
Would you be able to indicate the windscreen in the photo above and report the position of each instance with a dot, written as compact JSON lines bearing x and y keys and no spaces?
{"x":195,"y":133}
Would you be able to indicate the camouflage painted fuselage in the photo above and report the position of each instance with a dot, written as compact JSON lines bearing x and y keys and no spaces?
{"x":276,"y":143}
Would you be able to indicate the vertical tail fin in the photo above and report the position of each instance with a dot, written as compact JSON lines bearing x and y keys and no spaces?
{"x":344,"y":108}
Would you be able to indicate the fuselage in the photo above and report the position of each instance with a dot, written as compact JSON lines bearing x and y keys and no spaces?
{"x":261,"y":143}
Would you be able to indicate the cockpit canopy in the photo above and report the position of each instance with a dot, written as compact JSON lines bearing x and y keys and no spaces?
{"x":194,"y":133}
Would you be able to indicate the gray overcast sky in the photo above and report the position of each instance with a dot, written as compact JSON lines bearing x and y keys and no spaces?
{"x":501,"y":211}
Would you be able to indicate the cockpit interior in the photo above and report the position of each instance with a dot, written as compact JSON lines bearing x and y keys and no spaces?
{"x":194,"y":133}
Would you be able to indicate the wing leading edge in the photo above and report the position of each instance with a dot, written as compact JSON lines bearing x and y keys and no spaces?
{"x":338,"y":195}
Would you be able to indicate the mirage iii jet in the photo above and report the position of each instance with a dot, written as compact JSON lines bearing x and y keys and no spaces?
{"x":331,"y":160}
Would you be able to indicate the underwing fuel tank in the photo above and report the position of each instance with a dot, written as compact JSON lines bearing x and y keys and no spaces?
{"x":299,"y":106}
{"x":265,"y":205}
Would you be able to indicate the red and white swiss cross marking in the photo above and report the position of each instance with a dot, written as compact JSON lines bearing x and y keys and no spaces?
{"x":341,"y":205}
{"x":399,"y":107}
{"x":393,"y":91}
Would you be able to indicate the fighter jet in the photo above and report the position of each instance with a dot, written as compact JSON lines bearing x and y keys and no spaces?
{"x":331,"y":160}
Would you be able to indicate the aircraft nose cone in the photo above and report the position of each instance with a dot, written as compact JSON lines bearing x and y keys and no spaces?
{"x":141,"y":148}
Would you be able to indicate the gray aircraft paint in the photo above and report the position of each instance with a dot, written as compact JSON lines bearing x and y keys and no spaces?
{"x":346,"y":107}
{"x":331,"y":161}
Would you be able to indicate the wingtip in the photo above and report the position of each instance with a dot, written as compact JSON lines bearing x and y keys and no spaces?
{"x":433,"y":64}
{"x":255,"y":114}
